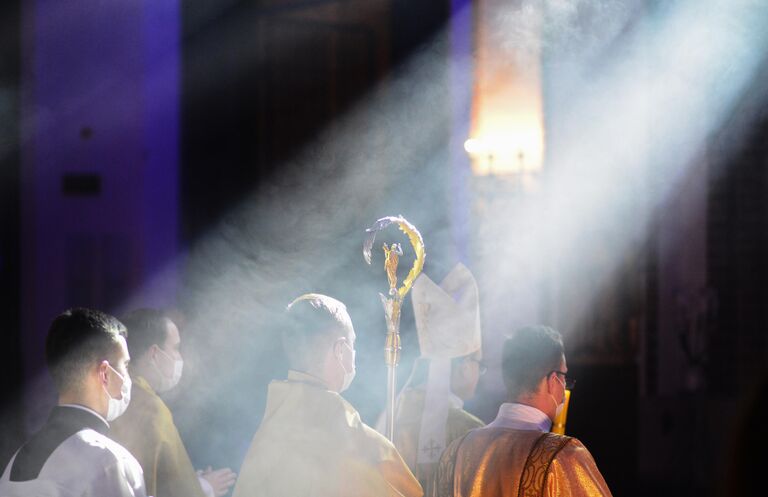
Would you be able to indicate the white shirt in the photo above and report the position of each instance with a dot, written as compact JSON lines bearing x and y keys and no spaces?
{"x":86,"y":464}
{"x":521,"y":417}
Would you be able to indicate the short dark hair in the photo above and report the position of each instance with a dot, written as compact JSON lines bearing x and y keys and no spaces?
{"x":146,"y":327}
{"x":311,"y":320}
{"x":529,"y":354}
{"x":78,"y":339}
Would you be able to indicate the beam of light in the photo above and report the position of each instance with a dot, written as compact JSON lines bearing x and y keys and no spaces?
{"x":634,"y":91}
{"x":621,"y":139}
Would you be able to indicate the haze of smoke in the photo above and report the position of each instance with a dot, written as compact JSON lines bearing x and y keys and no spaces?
{"x":633,"y":95}
{"x":620,"y":91}
{"x":303,"y":230}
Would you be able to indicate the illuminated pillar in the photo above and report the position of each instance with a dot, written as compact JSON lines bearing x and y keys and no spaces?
{"x":505,"y":144}
{"x":507,"y":131}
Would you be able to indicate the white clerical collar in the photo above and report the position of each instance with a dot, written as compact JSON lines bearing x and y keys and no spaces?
{"x":87,"y":409}
{"x":521,"y":417}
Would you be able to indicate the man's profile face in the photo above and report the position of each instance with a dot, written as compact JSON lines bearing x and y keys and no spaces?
{"x":465,"y":377}
{"x":172,"y":342}
{"x":169,"y":350}
{"x":119,"y":362}
{"x":561,"y":380}
{"x":340,"y":361}
{"x":122,"y":358}
{"x":348,"y":350}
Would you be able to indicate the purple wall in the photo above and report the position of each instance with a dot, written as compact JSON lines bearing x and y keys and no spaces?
{"x":100,"y":159}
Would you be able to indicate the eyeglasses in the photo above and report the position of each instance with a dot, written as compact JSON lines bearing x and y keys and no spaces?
{"x":569,"y":382}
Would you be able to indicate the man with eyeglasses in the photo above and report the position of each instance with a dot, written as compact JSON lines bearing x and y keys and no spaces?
{"x":312,"y":442}
{"x":516,"y":455}
{"x":429,"y":413}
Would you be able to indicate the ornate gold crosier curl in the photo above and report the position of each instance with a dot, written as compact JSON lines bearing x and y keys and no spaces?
{"x":392,"y":302}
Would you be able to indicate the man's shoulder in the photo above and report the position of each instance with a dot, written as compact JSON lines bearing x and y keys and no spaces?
{"x":94,"y":447}
{"x":493,"y":433}
{"x":575,"y":463}
{"x":464,"y":420}
{"x":504,"y":443}
{"x":508,"y":440}
{"x":565,"y":450}
{"x":373,"y":436}
{"x":144,"y":397}
{"x":375,"y":445}
{"x":95,"y":461}
{"x":146,"y":413}
{"x":574,"y":449}
{"x":302,"y":414}
{"x":88,"y":450}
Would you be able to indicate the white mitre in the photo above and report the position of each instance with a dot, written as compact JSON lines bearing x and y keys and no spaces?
{"x":447,"y":316}
{"x":448,"y":326}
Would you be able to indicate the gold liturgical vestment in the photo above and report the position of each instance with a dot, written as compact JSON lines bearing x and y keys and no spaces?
{"x":410,"y":408}
{"x":506,"y":462}
{"x":147,"y":431}
{"x":312,"y":442}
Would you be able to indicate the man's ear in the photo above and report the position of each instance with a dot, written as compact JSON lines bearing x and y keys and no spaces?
{"x":463,"y":367}
{"x":337,"y":348}
{"x":548,"y":388}
{"x":102,"y":370}
{"x":152,"y":351}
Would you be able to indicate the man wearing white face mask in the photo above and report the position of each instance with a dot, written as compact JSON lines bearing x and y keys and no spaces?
{"x":515,"y":455}
{"x":147,"y":428}
{"x":71,"y":455}
{"x":311,"y":441}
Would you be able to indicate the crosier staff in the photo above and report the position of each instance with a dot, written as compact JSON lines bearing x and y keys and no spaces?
{"x":393,"y":301}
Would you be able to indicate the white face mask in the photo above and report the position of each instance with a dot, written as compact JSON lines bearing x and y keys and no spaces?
{"x":348,"y":375}
{"x":558,"y":407}
{"x":118,"y":406}
{"x":167,"y":383}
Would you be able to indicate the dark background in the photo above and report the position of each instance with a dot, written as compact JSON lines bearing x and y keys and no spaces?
{"x":10,"y":250}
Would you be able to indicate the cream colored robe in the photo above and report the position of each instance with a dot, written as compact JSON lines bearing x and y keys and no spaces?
{"x":410,"y":408}
{"x":147,"y":430}
{"x":489,"y":462}
{"x":313,"y":443}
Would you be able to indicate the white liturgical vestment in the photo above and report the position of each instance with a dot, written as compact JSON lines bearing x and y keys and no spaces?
{"x":72,"y":457}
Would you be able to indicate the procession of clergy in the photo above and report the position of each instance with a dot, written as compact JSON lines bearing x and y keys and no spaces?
{"x":112,"y":435}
